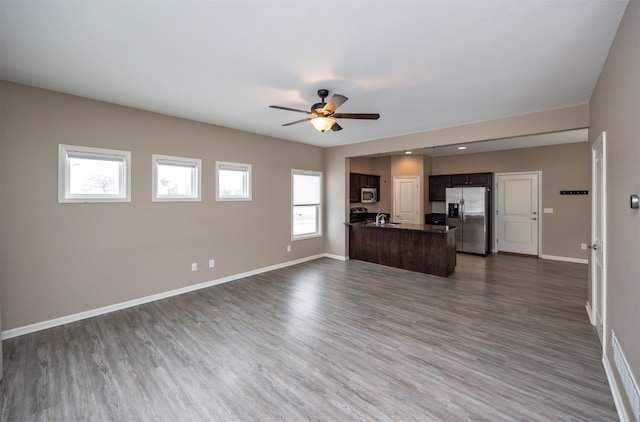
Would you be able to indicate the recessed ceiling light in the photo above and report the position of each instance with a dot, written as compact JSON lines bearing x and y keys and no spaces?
{"x":408,"y":152}
{"x":462,"y":147}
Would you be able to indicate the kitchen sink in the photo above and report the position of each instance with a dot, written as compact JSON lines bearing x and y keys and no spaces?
{"x":387,"y":223}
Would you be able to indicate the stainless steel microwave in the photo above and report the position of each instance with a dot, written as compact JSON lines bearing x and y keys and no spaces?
{"x":368,"y":195}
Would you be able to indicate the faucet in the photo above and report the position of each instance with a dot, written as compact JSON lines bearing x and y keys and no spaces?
{"x":380,"y":218}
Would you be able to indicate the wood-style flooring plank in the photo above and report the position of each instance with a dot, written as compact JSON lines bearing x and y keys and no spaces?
{"x":505,"y":338}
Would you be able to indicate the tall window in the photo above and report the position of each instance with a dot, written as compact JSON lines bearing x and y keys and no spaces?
{"x":88,"y":174}
{"x":307,"y":204}
{"x":234,"y":181}
{"x":176,"y":178}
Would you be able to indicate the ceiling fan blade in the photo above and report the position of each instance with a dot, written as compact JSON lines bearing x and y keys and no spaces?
{"x":336,"y":101}
{"x":297,"y":121}
{"x":336,"y":127}
{"x":365,"y":116}
{"x":290,"y":109}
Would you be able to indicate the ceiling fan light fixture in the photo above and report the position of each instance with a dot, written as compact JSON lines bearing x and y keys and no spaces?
{"x":322,"y":115}
{"x":322,"y":124}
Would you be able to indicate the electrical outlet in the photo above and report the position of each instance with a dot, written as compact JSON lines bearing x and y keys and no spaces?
{"x":194,"y":266}
{"x":288,"y":248}
{"x":212,"y":263}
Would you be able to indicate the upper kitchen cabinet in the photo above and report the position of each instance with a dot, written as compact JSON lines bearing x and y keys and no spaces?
{"x":358,"y":181}
{"x":474,"y":179}
{"x":354,"y":187}
{"x":438,"y":186}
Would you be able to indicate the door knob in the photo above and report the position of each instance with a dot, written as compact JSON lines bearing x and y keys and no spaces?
{"x":534,"y":219}
{"x":594,"y":247}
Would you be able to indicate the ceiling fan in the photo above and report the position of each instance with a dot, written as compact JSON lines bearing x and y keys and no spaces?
{"x":322,"y":114}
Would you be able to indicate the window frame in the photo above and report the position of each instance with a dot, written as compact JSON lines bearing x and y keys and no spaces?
{"x":65,"y":152}
{"x":196,"y":181}
{"x":319,"y":216}
{"x":247,"y":169}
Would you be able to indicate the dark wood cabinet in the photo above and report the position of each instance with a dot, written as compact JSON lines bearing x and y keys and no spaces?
{"x":357,"y":181}
{"x":473,"y":179}
{"x":422,"y":250}
{"x":438,"y":186}
{"x":435,"y":219}
{"x":354,"y":188}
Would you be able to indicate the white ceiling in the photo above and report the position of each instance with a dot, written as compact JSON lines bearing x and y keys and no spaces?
{"x":421,"y":64}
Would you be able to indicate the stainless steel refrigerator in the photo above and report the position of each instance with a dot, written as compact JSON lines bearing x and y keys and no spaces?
{"x":468,"y":210}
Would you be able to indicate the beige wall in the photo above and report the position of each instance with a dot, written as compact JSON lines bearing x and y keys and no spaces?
{"x":382,"y":166}
{"x":563,"y":167}
{"x":406,"y":165}
{"x":61,"y":259}
{"x":361,"y":165}
{"x":615,"y":108}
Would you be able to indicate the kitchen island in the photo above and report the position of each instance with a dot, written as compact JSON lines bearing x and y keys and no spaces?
{"x":423,"y":248}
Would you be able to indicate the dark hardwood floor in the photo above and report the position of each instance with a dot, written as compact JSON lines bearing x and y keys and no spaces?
{"x":505,"y":338}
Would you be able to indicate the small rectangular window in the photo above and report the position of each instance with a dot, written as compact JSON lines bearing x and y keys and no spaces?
{"x":234,"y":181}
{"x":87,"y":174}
{"x":176,"y":178}
{"x":306,"y":204}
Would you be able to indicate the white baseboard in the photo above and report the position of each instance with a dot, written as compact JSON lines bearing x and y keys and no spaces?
{"x":588,"y":307}
{"x":338,"y":257}
{"x":615,"y":391}
{"x":565,"y":259}
{"x":15,"y":332}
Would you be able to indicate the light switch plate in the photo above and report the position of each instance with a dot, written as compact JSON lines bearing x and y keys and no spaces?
{"x":548,"y":210}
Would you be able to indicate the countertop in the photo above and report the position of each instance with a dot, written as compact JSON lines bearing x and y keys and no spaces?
{"x":405,"y":226}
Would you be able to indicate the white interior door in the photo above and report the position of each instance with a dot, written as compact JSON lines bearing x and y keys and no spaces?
{"x":517,"y":213}
{"x":598,"y":291}
{"x":406,"y":199}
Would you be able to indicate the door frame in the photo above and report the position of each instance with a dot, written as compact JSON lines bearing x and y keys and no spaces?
{"x":494,"y":247}
{"x":601,"y":142}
